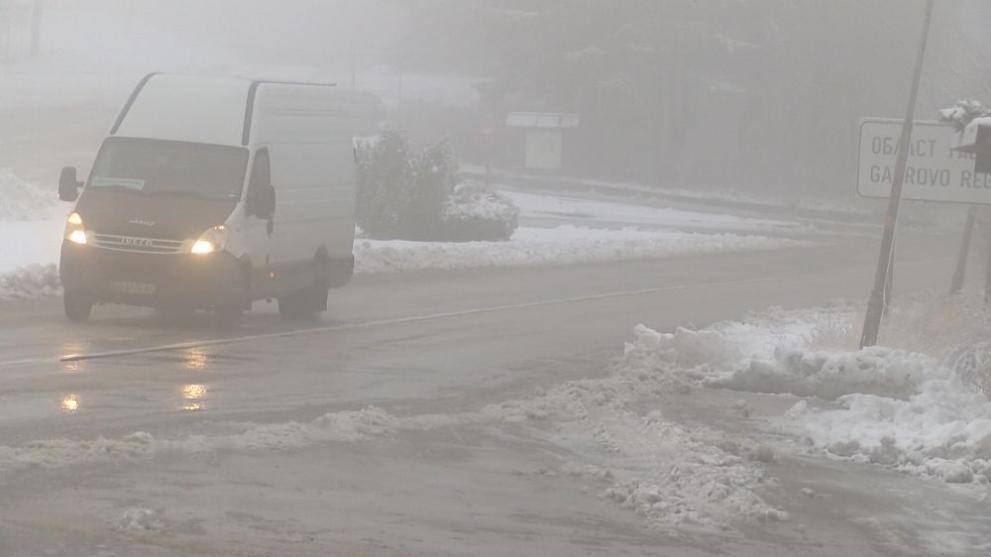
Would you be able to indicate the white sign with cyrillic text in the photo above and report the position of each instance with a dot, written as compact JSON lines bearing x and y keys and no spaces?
{"x":934,"y":172}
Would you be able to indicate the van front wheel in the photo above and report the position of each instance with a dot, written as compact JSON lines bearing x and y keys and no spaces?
{"x":310,"y":302}
{"x":77,"y":306}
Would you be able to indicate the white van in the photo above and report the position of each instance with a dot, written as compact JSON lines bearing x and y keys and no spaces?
{"x":214,"y":192}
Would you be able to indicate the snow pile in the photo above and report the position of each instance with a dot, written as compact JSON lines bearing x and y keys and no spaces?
{"x":940,"y":432}
{"x":689,"y":357}
{"x":29,"y":282}
{"x":547,"y":246}
{"x":20,"y":200}
{"x":972,"y":364}
{"x":139,"y":520}
{"x":942,"y":428}
{"x":337,"y":426}
{"x":923,"y":414}
{"x":668,"y":473}
{"x":878,"y":370}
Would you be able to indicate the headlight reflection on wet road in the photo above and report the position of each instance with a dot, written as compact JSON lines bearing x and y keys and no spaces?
{"x":193,"y":395}
{"x":69,"y":403}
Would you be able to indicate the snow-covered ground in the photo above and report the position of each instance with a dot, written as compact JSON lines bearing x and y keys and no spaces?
{"x":697,"y":194}
{"x":919,"y":403}
{"x":568,"y":208}
{"x":548,"y":246}
{"x":31,"y":224}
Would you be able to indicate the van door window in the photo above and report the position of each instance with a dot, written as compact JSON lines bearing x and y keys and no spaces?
{"x":261,"y":173}
{"x":261,"y":180}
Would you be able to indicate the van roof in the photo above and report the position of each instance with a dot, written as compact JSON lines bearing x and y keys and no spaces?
{"x":216,"y":110}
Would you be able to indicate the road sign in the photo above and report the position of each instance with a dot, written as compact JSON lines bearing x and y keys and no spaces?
{"x":934,"y":173}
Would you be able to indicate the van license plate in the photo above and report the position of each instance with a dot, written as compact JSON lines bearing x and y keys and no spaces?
{"x":136,"y":288}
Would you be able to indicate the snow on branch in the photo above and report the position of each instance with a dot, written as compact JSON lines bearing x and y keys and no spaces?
{"x":963,"y":113}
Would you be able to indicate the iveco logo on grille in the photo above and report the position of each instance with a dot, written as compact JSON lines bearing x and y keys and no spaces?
{"x":136,"y":242}
{"x":142,"y":222}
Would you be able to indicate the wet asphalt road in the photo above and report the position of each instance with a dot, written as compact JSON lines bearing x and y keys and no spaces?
{"x":415,"y":343}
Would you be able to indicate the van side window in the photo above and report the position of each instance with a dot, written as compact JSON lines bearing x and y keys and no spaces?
{"x":261,"y":173}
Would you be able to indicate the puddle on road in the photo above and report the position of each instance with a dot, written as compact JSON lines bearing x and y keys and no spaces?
{"x":70,"y":349}
{"x":69,"y":403}
{"x":194,"y":359}
{"x":193,"y":396}
{"x":73,"y":367}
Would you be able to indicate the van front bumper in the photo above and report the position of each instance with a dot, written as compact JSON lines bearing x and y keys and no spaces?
{"x":154,"y":280}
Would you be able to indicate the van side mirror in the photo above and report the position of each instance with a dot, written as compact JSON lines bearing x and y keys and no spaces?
{"x":68,"y":185}
{"x":261,"y":201}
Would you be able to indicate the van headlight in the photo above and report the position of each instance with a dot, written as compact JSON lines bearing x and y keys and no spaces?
{"x":211,"y":241}
{"x":74,"y":231}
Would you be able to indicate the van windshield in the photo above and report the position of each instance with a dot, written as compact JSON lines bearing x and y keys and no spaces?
{"x":154,"y":167}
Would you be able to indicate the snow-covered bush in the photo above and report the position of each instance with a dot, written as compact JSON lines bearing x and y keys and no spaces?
{"x":474,"y":212}
{"x":963,"y":113}
{"x":435,"y":173}
{"x":408,"y":195}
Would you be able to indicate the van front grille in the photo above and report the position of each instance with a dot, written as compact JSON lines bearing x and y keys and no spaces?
{"x":136,"y":244}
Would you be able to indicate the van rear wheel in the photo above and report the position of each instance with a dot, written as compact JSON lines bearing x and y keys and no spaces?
{"x":78,"y":306}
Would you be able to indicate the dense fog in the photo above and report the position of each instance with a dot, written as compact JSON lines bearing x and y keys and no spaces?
{"x":495,"y":278}
{"x":758,"y":95}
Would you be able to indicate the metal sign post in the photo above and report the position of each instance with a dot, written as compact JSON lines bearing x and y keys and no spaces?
{"x":875,"y":307}
{"x":987,"y":275}
{"x":960,"y":273}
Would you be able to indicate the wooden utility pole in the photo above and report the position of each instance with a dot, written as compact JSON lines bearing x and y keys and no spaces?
{"x":875,"y":306}
{"x":960,"y":273}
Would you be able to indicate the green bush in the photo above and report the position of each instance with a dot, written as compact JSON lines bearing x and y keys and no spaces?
{"x":384,"y":184}
{"x":410,"y":195}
